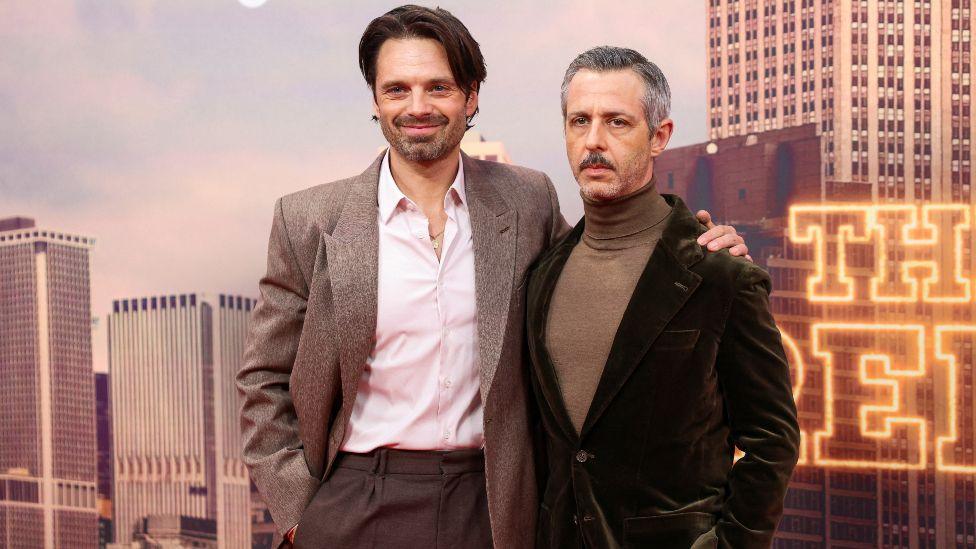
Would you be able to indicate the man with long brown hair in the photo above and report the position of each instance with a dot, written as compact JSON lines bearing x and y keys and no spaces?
{"x":385,"y":399}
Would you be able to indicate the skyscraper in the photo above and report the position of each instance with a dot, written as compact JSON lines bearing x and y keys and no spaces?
{"x":888,"y":83}
{"x":910,"y":482}
{"x":47,"y":413}
{"x":103,"y":429}
{"x":176,"y":432}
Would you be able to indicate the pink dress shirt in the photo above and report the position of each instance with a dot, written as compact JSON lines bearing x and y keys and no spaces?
{"x":420,"y":389}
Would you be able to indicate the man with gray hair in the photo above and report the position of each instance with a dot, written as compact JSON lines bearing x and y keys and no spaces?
{"x":653,"y":358}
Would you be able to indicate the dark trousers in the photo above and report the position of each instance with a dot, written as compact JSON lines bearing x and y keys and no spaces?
{"x":402,"y":499}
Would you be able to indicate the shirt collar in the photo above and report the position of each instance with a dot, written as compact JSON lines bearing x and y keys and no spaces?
{"x":389,"y":196}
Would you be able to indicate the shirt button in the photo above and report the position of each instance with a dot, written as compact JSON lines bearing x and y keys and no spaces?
{"x":587,"y":518}
{"x":581,"y":456}
{"x":447,"y":435}
{"x":447,"y":384}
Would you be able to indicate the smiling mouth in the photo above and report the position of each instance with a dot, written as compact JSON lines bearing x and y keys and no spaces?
{"x":426,"y":128}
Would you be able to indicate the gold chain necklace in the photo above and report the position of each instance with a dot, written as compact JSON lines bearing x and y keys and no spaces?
{"x":435,"y":238}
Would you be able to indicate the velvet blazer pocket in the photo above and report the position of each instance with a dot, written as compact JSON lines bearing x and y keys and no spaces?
{"x":676,"y":530}
{"x":675,"y":340}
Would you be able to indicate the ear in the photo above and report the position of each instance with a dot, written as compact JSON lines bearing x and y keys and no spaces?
{"x":661,"y":137}
{"x":471,"y":105}
{"x":376,"y":107}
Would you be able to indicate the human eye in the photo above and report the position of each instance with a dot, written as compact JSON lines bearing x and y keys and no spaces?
{"x":617,"y":123}
{"x":440,"y":89}
{"x":395,"y":91}
{"x":579,"y":121}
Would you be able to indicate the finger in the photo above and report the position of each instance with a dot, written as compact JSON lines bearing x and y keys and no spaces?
{"x":705,"y":218}
{"x":710,"y":234}
{"x":749,"y":257}
{"x":739,"y":250}
{"x":725,"y":241}
{"x":715,"y":232}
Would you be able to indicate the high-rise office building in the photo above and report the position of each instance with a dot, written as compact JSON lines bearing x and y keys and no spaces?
{"x":47,"y":413}
{"x":887,"y":85}
{"x":888,"y":456}
{"x":234,"y":485}
{"x":175,"y":412}
{"x":103,"y":430}
{"x":160,"y":531}
{"x":887,"y":82}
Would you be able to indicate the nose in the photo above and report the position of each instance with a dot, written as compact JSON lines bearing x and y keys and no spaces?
{"x":419,"y":104}
{"x":596,"y":138}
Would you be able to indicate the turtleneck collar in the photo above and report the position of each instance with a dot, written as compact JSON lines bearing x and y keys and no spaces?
{"x":625,"y":221}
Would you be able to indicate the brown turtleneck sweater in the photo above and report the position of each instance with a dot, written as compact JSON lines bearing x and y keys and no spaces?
{"x":595,"y":287}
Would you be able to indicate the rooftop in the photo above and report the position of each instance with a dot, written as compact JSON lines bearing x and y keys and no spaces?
{"x":14,"y":223}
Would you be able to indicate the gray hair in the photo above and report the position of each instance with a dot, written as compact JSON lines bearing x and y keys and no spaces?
{"x":657,"y":93}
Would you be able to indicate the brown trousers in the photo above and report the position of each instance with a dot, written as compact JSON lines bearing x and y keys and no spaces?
{"x":401,"y":499}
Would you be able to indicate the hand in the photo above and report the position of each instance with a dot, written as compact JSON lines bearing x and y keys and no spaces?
{"x":721,"y":236}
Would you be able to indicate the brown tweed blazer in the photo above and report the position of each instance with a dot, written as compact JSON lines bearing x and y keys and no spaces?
{"x":314,"y":327}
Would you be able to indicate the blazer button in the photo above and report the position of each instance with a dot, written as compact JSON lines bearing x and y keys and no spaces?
{"x":582,"y":456}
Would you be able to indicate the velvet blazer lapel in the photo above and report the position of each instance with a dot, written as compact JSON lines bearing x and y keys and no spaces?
{"x":539,"y":294}
{"x":662,"y":290}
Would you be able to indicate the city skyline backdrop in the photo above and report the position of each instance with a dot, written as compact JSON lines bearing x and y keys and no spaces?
{"x":175,"y":129}
{"x":166,"y":131}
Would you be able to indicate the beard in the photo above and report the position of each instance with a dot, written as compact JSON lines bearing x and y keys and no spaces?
{"x":425,"y":148}
{"x":629,"y":176}
{"x":602,"y":191}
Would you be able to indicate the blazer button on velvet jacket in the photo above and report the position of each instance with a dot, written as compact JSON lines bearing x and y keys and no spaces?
{"x":697,"y":367}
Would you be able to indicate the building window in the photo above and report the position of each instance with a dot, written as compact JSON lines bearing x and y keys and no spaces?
{"x":742,"y":194}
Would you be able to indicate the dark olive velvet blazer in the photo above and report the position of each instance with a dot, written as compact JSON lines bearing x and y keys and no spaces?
{"x":697,"y":367}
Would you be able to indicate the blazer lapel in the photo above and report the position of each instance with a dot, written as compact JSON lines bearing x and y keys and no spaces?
{"x":541,"y":288}
{"x":493,"y":231}
{"x":663,"y":288}
{"x":352,"y":252}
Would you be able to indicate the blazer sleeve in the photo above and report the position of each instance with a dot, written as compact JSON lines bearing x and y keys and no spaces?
{"x":271,"y":445}
{"x":755,"y":380}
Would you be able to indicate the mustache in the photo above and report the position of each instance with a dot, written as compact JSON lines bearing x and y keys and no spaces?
{"x":596,"y":159}
{"x":410,"y":120}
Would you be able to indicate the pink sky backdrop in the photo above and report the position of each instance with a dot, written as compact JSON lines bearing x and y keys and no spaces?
{"x":167,"y":129}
